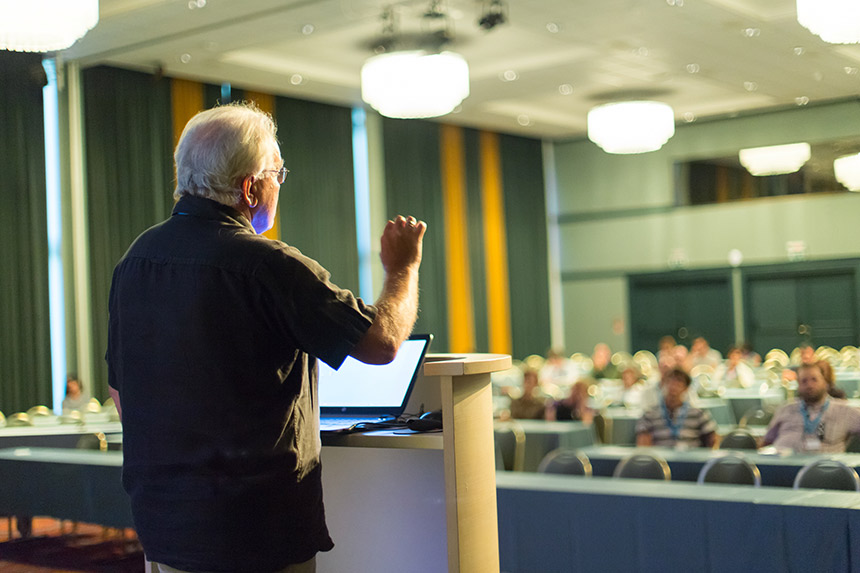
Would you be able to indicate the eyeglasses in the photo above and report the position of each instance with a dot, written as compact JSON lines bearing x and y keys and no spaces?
{"x":282,"y":173}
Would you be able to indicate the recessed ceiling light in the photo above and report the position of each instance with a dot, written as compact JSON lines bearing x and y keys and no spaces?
{"x":850,"y":70}
{"x":185,"y":58}
{"x":308,"y":29}
{"x":675,"y":3}
{"x":297,"y":79}
{"x":194,"y":4}
{"x":552,"y":28}
{"x":693,"y":68}
{"x":802,"y":100}
{"x":750,"y":86}
{"x":799,"y":50}
{"x":524,"y":120}
{"x":565,"y":89}
{"x":752,"y":32}
{"x":508,"y":76}
{"x":689,"y":117}
{"x":643,"y":51}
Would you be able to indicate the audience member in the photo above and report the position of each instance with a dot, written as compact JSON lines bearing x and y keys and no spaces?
{"x":815,"y":422}
{"x":750,"y":356}
{"x":636,"y":393}
{"x":529,"y":406}
{"x":807,"y":357}
{"x":666,"y":346}
{"x":674,"y":421}
{"x":735,"y":372}
{"x":602,"y":366}
{"x":701,"y":353}
{"x":558,"y":369}
{"x":829,"y":377}
{"x":75,"y":399}
{"x":575,"y":406}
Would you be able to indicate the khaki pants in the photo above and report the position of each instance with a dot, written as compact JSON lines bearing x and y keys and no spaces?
{"x":309,"y":566}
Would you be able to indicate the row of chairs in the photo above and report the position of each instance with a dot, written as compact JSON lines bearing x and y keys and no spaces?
{"x":728,"y":469}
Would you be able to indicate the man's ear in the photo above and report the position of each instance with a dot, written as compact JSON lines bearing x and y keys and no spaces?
{"x":247,"y":196}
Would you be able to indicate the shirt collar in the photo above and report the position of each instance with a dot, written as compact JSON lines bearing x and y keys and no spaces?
{"x":209,"y":209}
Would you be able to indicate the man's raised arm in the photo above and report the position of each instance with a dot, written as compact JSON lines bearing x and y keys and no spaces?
{"x":397,"y":306}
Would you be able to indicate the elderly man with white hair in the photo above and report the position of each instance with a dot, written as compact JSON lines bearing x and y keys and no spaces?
{"x":214,"y":335}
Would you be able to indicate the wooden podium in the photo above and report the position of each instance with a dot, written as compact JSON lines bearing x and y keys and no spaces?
{"x":422,"y":502}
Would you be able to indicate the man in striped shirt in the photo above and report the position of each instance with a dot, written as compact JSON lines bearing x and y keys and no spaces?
{"x":674,"y":421}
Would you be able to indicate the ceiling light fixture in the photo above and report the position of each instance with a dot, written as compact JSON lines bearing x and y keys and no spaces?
{"x":421,"y":81}
{"x":631,"y":126}
{"x":415,"y":84}
{"x":847,"y":170}
{"x":834,"y":21}
{"x":45,"y":25}
{"x":494,"y":14}
{"x":775,"y":159}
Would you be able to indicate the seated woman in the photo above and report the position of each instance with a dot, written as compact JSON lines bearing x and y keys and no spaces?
{"x":575,"y":406}
{"x":735,"y":373}
{"x":531,"y":405}
{"x":75,"y":399}
{"x":674,"y":421}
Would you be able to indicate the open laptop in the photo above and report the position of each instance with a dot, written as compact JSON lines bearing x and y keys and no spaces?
{"x":359,"y":393}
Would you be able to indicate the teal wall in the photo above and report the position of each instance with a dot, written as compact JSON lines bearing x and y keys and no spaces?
{"x":617,"y":214}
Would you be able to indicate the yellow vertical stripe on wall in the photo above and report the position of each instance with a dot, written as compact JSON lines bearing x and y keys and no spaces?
{"x":186,"y":100}
{"x":495,"y":246}
{"x":461,"y":315}
{"x":266,"y":103}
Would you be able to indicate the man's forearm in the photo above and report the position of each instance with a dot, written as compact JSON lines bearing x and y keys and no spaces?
{"x":397,"y":309}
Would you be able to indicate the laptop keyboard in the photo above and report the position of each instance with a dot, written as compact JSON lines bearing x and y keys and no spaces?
{"x":329,"y":424}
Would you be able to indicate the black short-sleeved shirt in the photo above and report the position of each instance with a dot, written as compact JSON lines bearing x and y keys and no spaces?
{"x":214,"y":333}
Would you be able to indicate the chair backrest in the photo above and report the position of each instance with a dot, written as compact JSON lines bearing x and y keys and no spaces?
{"x":827,"y":474}
{"x":756,"y":417}
{"x":643,"y":466}
{"x":732,"y":468}
{"x":565,"y":461}
{"x":511,"y":445}
{"x":95,"y":441}
{"x":738,"y":440}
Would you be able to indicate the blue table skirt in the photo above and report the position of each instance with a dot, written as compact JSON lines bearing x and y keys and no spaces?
{"x":547,"y":525}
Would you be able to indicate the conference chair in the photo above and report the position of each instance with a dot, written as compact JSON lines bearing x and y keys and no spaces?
{"x":2,"y":420}
{"x":18,"y":419}
{"x":827,"y":474}
{"x":756,"y":417}
{"x":565,"y":461}
{"x":731,"y":469}
{"x":738,"y":440}
{"x":510,"y":441}
{"x":96,"y":441}
{"x":643,"y":466}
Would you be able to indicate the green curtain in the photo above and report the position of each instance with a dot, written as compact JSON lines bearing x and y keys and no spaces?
{"x":525,"y":219}
{"x":25,"y":349}
{"x":475,"y":205}
{"x":414,"y":187}
{"x":317,"y":202}
{"x":129,"y":167}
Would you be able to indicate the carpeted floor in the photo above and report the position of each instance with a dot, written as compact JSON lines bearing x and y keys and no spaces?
{"x":85,"y":550}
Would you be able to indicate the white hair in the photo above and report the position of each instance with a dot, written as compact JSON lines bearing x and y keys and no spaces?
{"x":221,"y":146}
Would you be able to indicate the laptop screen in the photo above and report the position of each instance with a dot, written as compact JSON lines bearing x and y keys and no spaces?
{"x":359,"y":388}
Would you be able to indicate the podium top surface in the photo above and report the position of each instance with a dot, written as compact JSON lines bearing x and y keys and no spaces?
{"x":464,"y":364}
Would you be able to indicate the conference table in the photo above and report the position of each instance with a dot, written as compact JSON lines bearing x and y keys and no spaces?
{"x":541,"y":437}
{"x":54,"y":435}
{"x":776,"y":470}
{"x":78,"y":485}
{"x":564,"y":523}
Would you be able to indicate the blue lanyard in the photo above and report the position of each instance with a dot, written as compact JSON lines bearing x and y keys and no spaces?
{"x":676,"y":424}
{"x":811,"y":426}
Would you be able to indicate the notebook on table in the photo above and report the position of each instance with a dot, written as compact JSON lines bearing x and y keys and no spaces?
{"x":359,"y":393}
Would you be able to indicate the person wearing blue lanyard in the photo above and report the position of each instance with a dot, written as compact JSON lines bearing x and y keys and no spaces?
{"x":815,"y":422}
{"x":674,"y":422}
